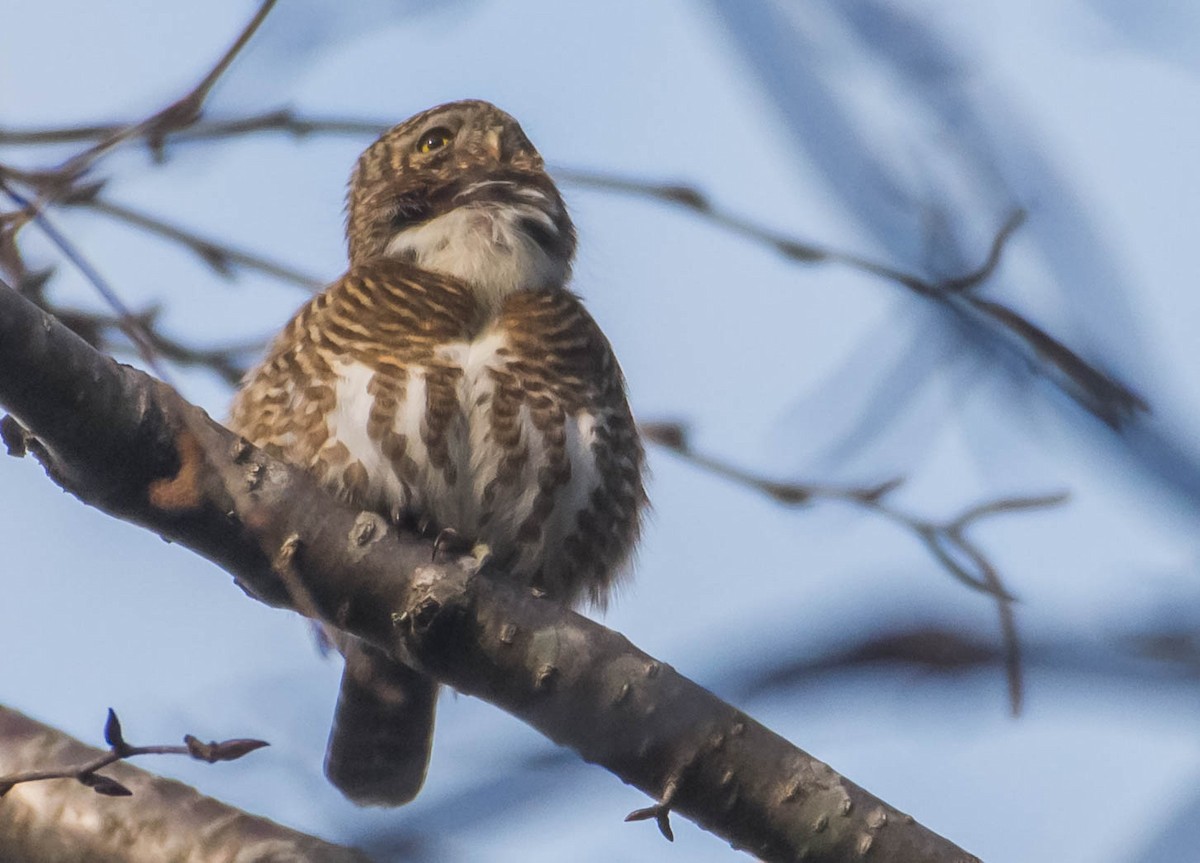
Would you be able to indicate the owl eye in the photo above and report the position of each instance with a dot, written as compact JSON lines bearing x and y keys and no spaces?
{"x":434,"y":139}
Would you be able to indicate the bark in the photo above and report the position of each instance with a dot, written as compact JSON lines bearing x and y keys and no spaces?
{"x":131,"y":446}
{"x":64,"y":821}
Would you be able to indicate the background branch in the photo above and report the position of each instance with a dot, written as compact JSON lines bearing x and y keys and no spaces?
{"x":946,"y":540}
{"x":1099,"y":393}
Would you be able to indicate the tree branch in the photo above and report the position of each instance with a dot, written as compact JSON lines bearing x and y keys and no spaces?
{"x":34,"y":818}
{"x":946,"y":540}
{"x":128,"y":444}
{"x":88,"y":774}
{"x":1100,"y":394}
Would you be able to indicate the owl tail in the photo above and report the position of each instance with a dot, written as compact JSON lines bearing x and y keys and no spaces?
{"x":382,"y":730}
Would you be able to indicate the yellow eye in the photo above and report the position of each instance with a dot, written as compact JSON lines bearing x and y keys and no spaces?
{"x":434,"y":139}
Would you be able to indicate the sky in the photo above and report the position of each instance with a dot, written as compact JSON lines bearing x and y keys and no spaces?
{"x":902,"y":131}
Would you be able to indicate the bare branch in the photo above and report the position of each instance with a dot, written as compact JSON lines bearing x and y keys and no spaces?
{"x":126,"y":320}
{"x":88,"y":773}
{"x":178,"y":115}
{"x":281,"y":120}
{"x":133,"y":447}
{"x":218,"y":256}
{"x":1099,"y":393}
{"x":102,"y":830}
{"x":1102,"y":395}
{"x":945,"y":540}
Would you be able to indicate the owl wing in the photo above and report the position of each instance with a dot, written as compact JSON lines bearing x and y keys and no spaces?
{"x":574,"y":475}
{"x":368,"y":329}
{"x":380,"y":742}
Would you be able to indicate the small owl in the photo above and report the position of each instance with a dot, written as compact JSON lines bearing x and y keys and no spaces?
{"x":451,"y":381}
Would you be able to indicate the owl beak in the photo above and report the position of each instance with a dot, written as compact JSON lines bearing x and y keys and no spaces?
{"x":491,"y":140}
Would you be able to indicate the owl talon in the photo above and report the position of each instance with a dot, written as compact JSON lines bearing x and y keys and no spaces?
{"x":450,"y":539}
{"x":481,"y":551}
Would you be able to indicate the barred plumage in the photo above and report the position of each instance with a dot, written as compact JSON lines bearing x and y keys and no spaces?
{"x":450,"y":379}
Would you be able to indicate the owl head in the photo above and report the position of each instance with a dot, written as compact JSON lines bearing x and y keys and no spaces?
{"x":460,"y":190}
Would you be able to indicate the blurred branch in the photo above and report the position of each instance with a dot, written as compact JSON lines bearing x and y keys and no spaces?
{"x":281,"y":120}
{"x":126,"y":321}
{"x":220,"y":257}
{"x":1100,"y":394}
{"x":88,"y":774}
{"x":131,"y":446}
{"x":180,"y":114}
{"x":1105,"y":397}
{"x":66,"y":182}
{"x":945,"y":540}
{"x":166,"y":821}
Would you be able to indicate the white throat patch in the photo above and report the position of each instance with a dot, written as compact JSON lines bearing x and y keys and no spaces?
{"x":483,"y":244}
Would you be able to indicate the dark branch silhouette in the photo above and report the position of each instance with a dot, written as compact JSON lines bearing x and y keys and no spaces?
{"x":221,"y":258}
{"x":945,"y":540}
{"x":1102,"y":395}
{"x":69,"y":180}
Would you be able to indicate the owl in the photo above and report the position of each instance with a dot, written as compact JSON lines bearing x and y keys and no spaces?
{"x":452,"y":382}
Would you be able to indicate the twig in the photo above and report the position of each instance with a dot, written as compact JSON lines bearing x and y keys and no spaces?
{"x":63,"y":183}
{"x":1100,"y":394}
{"x":229,"y":362}
{"x":281,"y":120}
{"x":178,"y":115}
{"x":218,"y":256}
{"x":126,"y":320}
{"x":945,"y":540}
{"x":1106,"y":398}
{"x":88,"y":773}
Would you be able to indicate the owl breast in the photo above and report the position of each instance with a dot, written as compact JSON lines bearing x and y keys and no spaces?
{"x":467,"y":441}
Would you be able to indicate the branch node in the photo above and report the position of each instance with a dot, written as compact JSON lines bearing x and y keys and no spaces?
{"x":793,"y":790}
{"x":660,"y":812}
{"x":241,"y":450}
{"x":546,"y":676}
{"x":367,"y":528}
{"x":14,"y":436}
{"x":181,"y":493}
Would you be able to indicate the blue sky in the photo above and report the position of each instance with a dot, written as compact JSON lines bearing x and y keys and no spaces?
{"x":903,"y":131}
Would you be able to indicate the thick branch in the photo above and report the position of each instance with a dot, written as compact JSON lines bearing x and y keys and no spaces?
{"x":131,"y":446}
{"x":164,"y":820}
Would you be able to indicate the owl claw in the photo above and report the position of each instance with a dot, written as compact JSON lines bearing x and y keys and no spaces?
{"x":450,"y":539}
{"x":481,"y":551}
